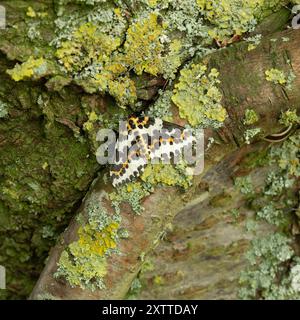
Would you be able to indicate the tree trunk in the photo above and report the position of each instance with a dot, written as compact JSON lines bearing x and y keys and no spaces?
{"x":201,"y":218}
{"x":50,"y":179}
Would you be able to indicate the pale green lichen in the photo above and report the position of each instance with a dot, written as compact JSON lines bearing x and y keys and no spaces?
{"x":250,"y":134}
{"x":287,"y":157}
{"x":267,"y":277}
{"x":48,"y":232}
{"x":133,"y":194}
{"x":244,"y":184}
{"x":295,"y":275}
{"x":273,"y":265}
{"x":106,"y":17}
{"x":33,"y":32}
{"x":173,"y":59}
{"x":272,"y":215}
{"x":161,"y":107}
{"x":3,"y":109}
{"x":253,"y":41}
{"x":251,"y":225}
{"x":198,"y":97}
{"x":287,"y":161}
{"x":135,"y":289}
{"x":276,"y":183}
{"x":235,"y":214}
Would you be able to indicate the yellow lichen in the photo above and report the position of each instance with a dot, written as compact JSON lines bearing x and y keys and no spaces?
{"x":276,"y":76}
{"x":32,"y":67}
{"x":31,"y":13}
{"x":233,"y":17}
{"x":143,"y":48}
{"x":198,"y":98}
{"x":81,"y":268}
{"x":118,"y":12}
{"x":159,"y":280}
{"x":123,"y":90}
{"x":166,"y":174}
{"x":289,"y":117}
{"x":89,"y":125}
{"x":93,"y":58}
{"x":45,"y":165}
{"x":88,"y":44}
{"x":172,"y":61}
{"x":153,"y":3}
{"x":83,"y":263}
{"x":251,"y":117}
{"x":98,"y":242}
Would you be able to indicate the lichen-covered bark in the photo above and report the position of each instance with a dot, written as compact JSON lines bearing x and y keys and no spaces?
{"x":45,"y":169}
{"x":44,"y":173}
{"x":201,"y":257}
{"x":211,"y":235}
{"x":63,"y":78}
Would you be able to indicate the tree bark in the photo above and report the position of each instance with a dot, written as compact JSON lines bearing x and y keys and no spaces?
{"x":210,"y":268}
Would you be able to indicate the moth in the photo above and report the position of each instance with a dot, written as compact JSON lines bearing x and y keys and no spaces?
{"x":145,"y":140}
{"x":296,"y":18}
